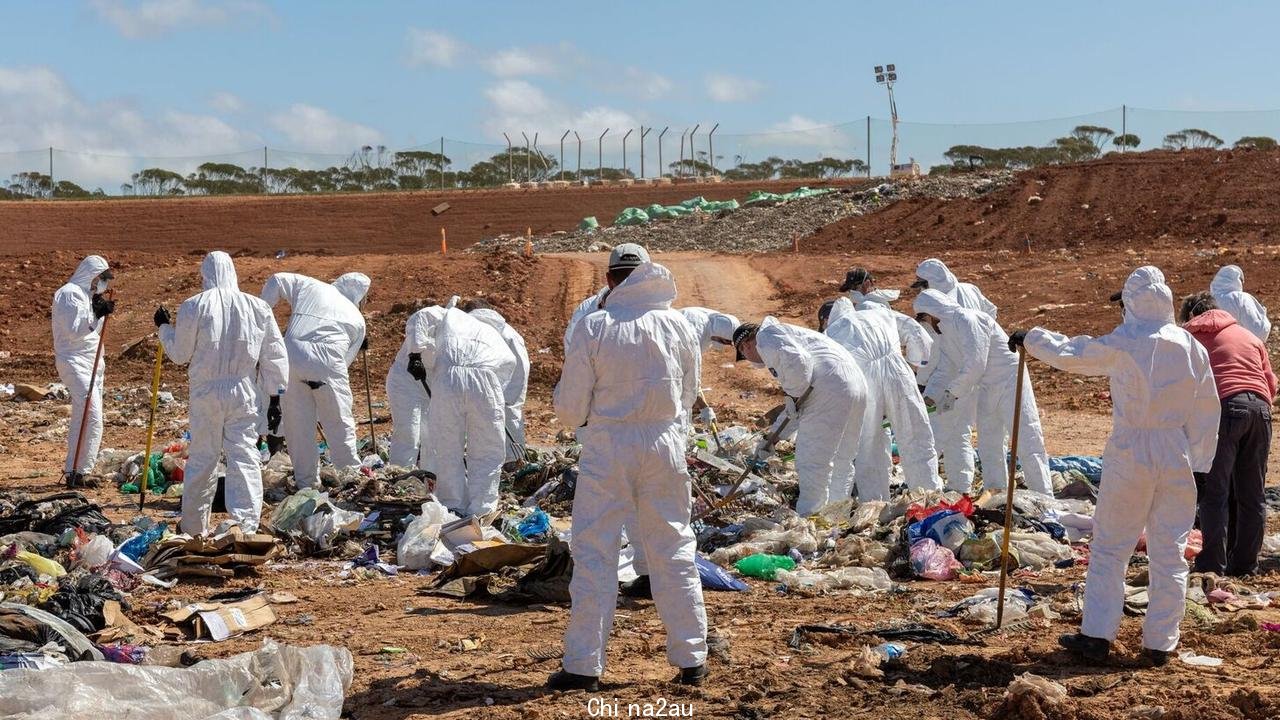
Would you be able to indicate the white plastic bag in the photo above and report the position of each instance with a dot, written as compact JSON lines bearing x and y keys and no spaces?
{"x":275,"y":682}
{"x":415,"y":547}
{"x":817,"y":582}
{"x":95,"y":552}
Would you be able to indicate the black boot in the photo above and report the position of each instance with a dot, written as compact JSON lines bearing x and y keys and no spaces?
{"x":638,"y":588}
{"x":693,"y":676}
{"x":565,"y":680}
{"x":1091,"y":649}
{"x":1158,"y":658}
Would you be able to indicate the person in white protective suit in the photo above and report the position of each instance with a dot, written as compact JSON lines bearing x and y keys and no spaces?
{"x":78,"y":309}
{"x":1228,"y":292}
{"x":409,"y":397}
{"x":714,"y":330}
{"x":976,"y":362}
{"x":470,"y":365}
{"x":518,"y":386}
{"x":866,"y":297}
{"x":623,"y":260}
{"x":1165,"y":421}
{"x":325,"y":334}
{"x":231,"y":344}
{"x":628,"y":385}
{"x":825,"y":406}
{"x":871,"y":337}
{"x":951,"y":428}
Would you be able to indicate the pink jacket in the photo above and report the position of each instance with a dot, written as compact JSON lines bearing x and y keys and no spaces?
{"x":1239,"y":359}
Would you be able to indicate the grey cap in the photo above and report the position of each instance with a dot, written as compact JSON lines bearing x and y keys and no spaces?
{"x":628,"y":255}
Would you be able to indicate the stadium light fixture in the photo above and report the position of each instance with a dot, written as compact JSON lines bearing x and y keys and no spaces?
{"x":887,"y":75}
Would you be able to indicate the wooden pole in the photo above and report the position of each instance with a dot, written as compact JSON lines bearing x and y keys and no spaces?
{"x":1008,"y":505}
{"x":151,"y":425}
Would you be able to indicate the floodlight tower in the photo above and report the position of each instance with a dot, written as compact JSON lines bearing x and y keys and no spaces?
{"x":887,"y":75}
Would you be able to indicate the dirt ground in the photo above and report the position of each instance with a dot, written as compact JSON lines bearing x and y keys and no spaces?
{"x":1063,"y":282}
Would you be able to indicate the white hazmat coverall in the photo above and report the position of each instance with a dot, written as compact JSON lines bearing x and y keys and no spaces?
{"x":629,"y":381}
{"x":408,"y":398}
{"x":708,"y":325}
{"x":1228,"y":292}
{"x":75,"y":345}
{"x":323,"y":338}
{"x":228,"y":339}
{"x":871,"y":337}
{"x":951,"y":428}
{"x":828,"y":429}
{"x":976,"y":362}
{"x":470,"y":366}
{"x":917,"y":344}
{"x":518,"y":386}
{"x":1165,"y":426}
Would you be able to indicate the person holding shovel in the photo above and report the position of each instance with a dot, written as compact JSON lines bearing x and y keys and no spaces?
{"x":80,"y":308}
{"x":1165,"y":419}
{"x":826,"y":401}
{"x":230,"y":342}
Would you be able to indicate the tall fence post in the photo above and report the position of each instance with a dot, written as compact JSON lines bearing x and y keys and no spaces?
{"x":510,"y":168}
{"x":661,"y":168}
{"x":868,"y":146}
{"x":579,"y":139}
{"x":693,"y":155}
{"x":711,"y":149}
{"x":441,"y":162}
{"x":624,"y":150}
{"x":528,"y":160}
{"x":643,"y":133}
{"x":562,"y":137}
{"x":680,"y":164}
{"x":1124,"y":125}
{"x":50,"y":171}
{"x":600,"y":156}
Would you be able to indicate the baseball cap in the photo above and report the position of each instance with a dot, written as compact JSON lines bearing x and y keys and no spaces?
{"x":920,"y":283}
{"x":628,"y":255}
{"x":744,"y":332}
{"x":824,"y":312}
{"x":854,"y":278}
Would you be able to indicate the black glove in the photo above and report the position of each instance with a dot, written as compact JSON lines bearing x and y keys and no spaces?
{"x":273,"y":415}
{"x":1016,"y":339}
{"x":162,"y":317}
{"x":364,"y":344}
{"x":102,"y":307}
{"x":416,"y":368}
{"x":275,"y":444}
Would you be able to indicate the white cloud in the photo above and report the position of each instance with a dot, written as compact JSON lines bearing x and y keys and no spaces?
{"x":644,"y":84}
{"x":517,"y":62}
{"x":311,"y":129}
{"x":149,"y":18}
{"x":517,"y":97}
{"x":801,"y":133}
{"x":517,"y":106}
{"x":722,"y":87}
{"x":431,"y":47}
{"x":101,"y":143}
{"x":227,"y":103}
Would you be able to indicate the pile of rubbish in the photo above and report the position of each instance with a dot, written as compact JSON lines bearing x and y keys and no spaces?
{"x":760,"y":223}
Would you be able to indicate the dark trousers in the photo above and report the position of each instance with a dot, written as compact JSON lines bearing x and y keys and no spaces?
{"x":1232,"y":512}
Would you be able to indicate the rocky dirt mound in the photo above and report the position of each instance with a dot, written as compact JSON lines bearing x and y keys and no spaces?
{"x":757,"y":228}
{"x":1197,"y":196}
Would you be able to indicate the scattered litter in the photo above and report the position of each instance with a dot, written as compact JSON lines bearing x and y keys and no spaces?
{"x":1191,"y":658}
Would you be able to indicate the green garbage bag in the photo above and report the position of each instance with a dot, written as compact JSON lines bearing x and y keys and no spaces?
{"x":631,"y":216}
{"x":589,"y":223}
{"x":720,"y":206}
{"x":696,"y":203}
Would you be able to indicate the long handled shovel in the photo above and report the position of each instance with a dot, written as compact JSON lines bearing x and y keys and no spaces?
{"x":1008,"y":504}
{"x":368,"y":398}
{"x":88,"y":398}
{"x":151,"y":425}
{"x":715,"y":429}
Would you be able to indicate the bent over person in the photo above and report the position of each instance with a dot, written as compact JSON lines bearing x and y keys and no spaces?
{"x":629,"y":382}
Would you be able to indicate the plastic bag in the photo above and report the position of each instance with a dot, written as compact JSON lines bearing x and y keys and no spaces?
{"x":919,"y":512}
{"x":1035,"y":550}
{"x":322,"y":527}
{"x":138,"y":545}
{"x":290,"y":513}
{"x":951,"y":531}
{"x":764,"y":566}
{"x":413,"y":550}
{"x":275,"y":682}
{"x":538,"y":523}
{"x":714,"y":577}
{"x":96,"y":551}
{"x":817,"y":582}
{"x":981,"y":607}
{"x":931,"y":561}
{"x":40,"y":564}
{"x":867,"y":515}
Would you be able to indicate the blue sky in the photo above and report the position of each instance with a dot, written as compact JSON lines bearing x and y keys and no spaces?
{"x":196,"y":77}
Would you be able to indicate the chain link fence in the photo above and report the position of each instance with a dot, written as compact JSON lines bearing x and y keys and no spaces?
{"x":854,"y":148}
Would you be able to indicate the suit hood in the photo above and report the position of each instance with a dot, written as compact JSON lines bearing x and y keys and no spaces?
{"x":353,"y":286}
{"x":1230,"y":278}
{"x":649,"y":286}
{"x":935,"y":302}
{"x":1146,"y":298}
{"x":843,"y":307}
{"x":938,"y":275}
{"x":88,"y":269}
{"x":722,"y":325}
{"x":490,"y":317}
{"x":218,"y":271}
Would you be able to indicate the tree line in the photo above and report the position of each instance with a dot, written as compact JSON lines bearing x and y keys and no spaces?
{"x":371,"y":169}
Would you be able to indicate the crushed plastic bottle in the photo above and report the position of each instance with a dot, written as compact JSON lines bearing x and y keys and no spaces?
{"x":890,"y":651}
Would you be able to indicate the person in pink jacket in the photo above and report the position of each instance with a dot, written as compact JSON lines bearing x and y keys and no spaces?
{"x":1231,"y":508}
